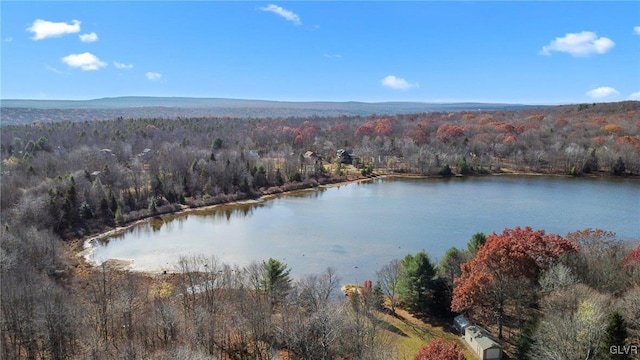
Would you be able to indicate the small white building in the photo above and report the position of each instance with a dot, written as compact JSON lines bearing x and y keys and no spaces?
{"x":482,"y":343}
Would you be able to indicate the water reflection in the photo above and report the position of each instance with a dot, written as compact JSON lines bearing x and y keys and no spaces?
{"x":227,"y":213}
{"x":156,"y":224}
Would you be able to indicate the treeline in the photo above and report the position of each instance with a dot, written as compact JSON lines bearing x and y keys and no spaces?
{"x":103,"y":172}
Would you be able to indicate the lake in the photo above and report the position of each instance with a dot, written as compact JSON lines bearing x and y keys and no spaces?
{"x":358,"y":227}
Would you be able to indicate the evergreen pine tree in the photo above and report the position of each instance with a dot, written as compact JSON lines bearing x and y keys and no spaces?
{"x":525,"y":340}
{"x":276,"y":282}
{"x":615,"y":336}
{"x":477,"y":240}
{"x":104,"y":207}
{"x":618,"y":168}
{"x":113,"y":203}
{"x":70,"y":206}
{"x":279,"y":178}
{"x":417,"y":287}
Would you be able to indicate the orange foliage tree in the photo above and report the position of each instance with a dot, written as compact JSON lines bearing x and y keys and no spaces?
{"x":612,"y":128}
{"x":538,"y":117}
{"x":438,"y":349}
{"x":504,"y":273}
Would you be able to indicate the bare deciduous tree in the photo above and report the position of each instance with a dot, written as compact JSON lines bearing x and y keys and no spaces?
{"x":572,"y":326}
{"x":390,"y":277}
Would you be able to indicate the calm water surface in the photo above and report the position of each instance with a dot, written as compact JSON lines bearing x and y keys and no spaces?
{"x":359,"y":227}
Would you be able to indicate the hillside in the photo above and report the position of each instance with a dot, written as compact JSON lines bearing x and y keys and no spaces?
{"x":15,"y":111}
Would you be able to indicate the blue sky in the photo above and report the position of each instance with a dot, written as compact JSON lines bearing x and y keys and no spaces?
{"x":514,"y":52}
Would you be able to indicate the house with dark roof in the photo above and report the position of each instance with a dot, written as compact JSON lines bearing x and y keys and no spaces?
{"x":344,"y":157}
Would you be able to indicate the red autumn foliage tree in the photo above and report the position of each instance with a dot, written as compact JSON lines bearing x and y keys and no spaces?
{"x":380,"y":127}
{"x":598,"y":141}
{"x":504,"y":128}
{"x":366,"y":129}
{"x":417,"y":135}
{"x":626,"y":139}
{"x":367,"y":285}
{"x":448,"y":132}
{"x":509,"y":139}
{"x":438,"y":349}
{"x":421,"y":131}
{"x":338,"y":127}
{"x":384,"y":127}
{"x":524,"y":127}
{"x":561,"y":122}
{"x":633,"y":258}
{"x":504,"y":272}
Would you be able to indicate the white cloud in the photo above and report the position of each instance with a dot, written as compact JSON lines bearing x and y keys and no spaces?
{"x":635,"y":96}
{"x":122,"y":66}
{"x":85,"y":61}
{"x":636,"y":30}
{"x":602,"y":92}
{"x":397,"y":83}
{"x":332,"y":56}
{"x":43,"y":29}
{"x":288,"y":15}
{"x":581,"y":44}
{"x":153,"y":76}
{"x":88,"y":37}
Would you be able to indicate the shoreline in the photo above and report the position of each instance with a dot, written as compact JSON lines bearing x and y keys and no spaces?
{"x":87,"y":244}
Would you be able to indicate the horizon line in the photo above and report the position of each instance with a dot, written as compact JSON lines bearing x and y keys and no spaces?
{"x":439,"y":101}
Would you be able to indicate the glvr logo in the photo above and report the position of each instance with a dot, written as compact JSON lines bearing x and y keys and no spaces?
{"x":624,"y":350}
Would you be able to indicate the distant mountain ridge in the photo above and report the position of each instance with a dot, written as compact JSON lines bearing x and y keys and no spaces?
{"x":189,"y":102}
{"x":21,"y":111}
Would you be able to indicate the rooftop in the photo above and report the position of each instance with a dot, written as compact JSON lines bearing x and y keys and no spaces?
{"x":482,"y":337}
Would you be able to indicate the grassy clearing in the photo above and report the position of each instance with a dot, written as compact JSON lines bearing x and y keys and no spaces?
{"x":410,"y":334}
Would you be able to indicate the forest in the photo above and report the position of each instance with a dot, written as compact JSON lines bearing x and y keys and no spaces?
{"x":62,"y":182}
